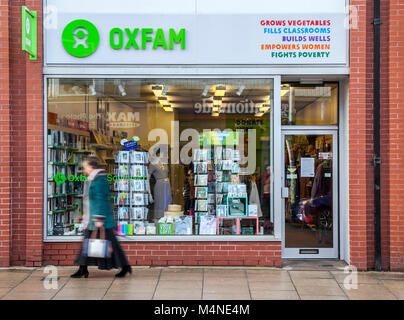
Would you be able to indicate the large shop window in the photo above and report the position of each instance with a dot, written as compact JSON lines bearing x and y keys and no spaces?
{"x":183,"y":156}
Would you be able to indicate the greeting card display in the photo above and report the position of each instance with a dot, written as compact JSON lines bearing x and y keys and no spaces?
{"x":201,"y":180}
{"x":201,"y":167}
{"x":201,"y":192}
{"x":221,"y":210}
{"x":132,"y":190}
{"x":228,"y":154}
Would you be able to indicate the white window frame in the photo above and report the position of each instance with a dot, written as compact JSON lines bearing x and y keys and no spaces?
{"x":178,"y":73}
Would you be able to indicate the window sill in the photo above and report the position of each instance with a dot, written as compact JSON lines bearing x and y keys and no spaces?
{"x":172,"y":238}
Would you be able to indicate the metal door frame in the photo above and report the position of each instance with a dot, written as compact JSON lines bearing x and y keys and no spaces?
{"x":324,"y":253}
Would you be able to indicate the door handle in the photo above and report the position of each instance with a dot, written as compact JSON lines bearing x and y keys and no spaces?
{"x":285,"y":192}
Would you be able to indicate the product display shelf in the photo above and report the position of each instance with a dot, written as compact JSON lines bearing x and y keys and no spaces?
{"x":68,"y":130}
{"x":131,"y":191}
{"x":238,"y":223}
{"x":202,"y":161}
{"x":66,"y":149}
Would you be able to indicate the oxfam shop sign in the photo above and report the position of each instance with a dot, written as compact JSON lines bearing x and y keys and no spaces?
{"x":81,"y":38}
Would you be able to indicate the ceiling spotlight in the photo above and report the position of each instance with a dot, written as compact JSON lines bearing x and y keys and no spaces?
{"x":205,"y":91}
{"x":215,"y":114}
{"x":284,"y":92}
{"x":217,"y":101}
{"x":215,"y":109}
{"x":168,"y":108}
{"x":220,"y":90}
{"x":259,"y":114}
{"x":157,"y":90}
{"x":240,"y":90}
{"x":121,"y":89}
{"x":265,"y":107}
{"x":163,"y":101}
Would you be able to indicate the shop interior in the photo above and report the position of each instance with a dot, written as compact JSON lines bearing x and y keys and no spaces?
{"x":184,"y":156}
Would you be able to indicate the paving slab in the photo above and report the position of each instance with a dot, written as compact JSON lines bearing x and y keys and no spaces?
{"x":274,"y":295}
{"x":202,"y":283}
{"x":370,"y":292}
{"x":177,"y":294}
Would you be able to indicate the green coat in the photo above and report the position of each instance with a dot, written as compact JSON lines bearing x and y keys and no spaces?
{"x":99,"y":202}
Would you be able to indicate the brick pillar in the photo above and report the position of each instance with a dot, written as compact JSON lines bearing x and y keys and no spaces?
{"x":384,"y":133}
{"x":395,"y":156}
{"x":361,"y":205}
{"x":5,"y":128}
{"x":26,"y":82}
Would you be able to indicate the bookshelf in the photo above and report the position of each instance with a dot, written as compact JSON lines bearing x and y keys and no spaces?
{"x":66,"y":149}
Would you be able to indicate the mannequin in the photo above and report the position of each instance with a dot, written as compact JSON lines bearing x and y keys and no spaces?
{"x":162,"y":190}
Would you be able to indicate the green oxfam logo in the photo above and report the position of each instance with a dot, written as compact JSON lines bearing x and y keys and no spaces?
{"x":80,"y":38}
{"x":59,"y":178}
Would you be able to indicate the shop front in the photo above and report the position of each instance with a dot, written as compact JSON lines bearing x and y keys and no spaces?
{"x":220,"y":133}
{"x":222,"y":128}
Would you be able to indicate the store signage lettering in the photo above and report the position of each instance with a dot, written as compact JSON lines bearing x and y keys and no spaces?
{"x":297,"y":38}
{"x":159,"y":39}
{"x":81,"y":38}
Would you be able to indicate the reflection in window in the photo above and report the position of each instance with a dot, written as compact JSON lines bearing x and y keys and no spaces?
{"x":183,"y":157}
{"x":309,"y":105}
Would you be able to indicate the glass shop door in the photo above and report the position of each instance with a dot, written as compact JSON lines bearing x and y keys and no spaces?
{"x":309,"y":192}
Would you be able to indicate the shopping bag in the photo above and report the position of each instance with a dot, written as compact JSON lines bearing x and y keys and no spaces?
{"x":97,"y":248}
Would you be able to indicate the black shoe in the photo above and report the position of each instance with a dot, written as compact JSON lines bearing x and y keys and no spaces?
{"x":82,"y":272}
{"x":124,"y":271}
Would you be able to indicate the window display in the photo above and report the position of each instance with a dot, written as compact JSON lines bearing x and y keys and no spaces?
{"x":182,"y":161}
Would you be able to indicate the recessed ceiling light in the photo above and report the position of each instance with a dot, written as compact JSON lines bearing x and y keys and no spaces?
{"x":265,"y":107}
{"x":168,"y":108}
{"x":162,"y":100}
{"x":217,"y":101}
{"x":220,"y":91}
{"x":157,"y":90}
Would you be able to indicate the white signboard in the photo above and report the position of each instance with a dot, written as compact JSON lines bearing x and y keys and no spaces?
{"x":307,"y":167}
{"x":131,"y":37}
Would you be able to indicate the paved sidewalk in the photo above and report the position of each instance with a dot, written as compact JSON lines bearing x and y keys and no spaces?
{"x":295,"y":281}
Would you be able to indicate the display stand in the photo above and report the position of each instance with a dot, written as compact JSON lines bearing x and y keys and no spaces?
{"x":237,"y":219}
{"x":131,"y":191}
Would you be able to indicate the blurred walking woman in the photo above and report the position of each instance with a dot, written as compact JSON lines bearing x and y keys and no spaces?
{"x":97,"y":213}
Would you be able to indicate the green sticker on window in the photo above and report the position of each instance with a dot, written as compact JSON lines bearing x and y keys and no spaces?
{"x":80,"y":38}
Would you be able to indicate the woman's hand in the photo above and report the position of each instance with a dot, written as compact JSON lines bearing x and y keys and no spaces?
{"x":98,"y":224}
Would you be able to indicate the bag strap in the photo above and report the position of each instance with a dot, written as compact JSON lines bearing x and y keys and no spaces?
{"x":95,"y":231}
{"x":102,"y":234}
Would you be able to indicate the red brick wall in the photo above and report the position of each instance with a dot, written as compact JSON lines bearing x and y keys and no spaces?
{"x":5,"y":129}
{"x":180,"y":253}
{"x":361,"y":139}
{"x":21,"y":126}
{"x":26,"y":83}
{"x":396,"y":134}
